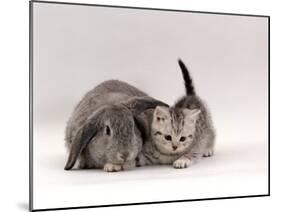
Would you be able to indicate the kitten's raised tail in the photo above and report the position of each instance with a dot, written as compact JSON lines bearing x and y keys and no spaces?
{"x":187,"y":79}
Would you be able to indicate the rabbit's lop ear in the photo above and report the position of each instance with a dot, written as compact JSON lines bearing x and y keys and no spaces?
{"x":139,"y":104}
{"x":81,"y":139}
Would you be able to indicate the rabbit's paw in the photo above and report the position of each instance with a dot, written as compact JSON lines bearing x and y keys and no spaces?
{"x":129,"y":165}
{"x":182,"y":163}
{"x":140,"y":161}
{"x":109,"y":167}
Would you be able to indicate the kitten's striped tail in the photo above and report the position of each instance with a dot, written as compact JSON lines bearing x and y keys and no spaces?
{"x":187,"y":79}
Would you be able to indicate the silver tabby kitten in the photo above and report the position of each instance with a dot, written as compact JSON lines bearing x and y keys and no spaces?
{"x":180,"y":134}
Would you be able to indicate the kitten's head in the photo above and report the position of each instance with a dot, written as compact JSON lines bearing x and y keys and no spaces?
{"x":173,"y":129}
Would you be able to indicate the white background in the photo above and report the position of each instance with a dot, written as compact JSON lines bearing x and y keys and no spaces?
{"x":15,"y":81}
{"x":77,"y":47}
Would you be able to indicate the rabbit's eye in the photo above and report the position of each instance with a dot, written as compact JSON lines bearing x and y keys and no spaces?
{"x":107,"y":130}
{"x":168,"y":137}
{"x":182,"y":138}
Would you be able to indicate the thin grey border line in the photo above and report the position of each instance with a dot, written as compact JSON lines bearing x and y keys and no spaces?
{"x":268,"y":88}
{"x":150,"y":203}
{"x":31,"y":107}
{"x":147,"y":8}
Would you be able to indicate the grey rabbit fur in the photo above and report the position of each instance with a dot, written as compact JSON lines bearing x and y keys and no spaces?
{"x":103,"y":131}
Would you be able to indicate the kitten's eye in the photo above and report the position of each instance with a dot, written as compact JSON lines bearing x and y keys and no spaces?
{"x":158,"y":133}
{"x":160,"y":119}
{"x":168,"y":137}
{"x":182,"y":138}
{"x":190,"y":136}
{"x":107,"y":130}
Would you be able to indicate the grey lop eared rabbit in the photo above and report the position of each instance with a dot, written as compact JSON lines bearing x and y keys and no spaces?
{"x":181,"y":134}
{"x":103,"y":131}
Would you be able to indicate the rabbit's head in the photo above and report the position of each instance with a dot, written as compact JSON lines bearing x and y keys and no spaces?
{"x":116,"y":125}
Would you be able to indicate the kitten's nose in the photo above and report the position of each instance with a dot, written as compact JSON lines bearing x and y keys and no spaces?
{"x":174,"y":147}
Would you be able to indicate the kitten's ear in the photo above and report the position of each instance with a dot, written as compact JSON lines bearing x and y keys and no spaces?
{"x":192,"y":114}
{"x":161,"y":113}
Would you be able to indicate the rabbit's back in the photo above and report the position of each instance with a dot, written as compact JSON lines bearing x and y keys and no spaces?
{"x":108,"y":92}
{"x":100,"y":94}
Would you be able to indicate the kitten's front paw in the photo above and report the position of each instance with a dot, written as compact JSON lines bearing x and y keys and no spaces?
{"x":182,"y":163}
{"x":208,"y":153}
{"x":109,"y":167}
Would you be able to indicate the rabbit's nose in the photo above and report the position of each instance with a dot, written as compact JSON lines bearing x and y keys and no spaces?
{"x":123,"y":156}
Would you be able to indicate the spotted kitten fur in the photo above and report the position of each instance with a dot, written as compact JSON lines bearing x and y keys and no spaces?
{"x":181,"y":134}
